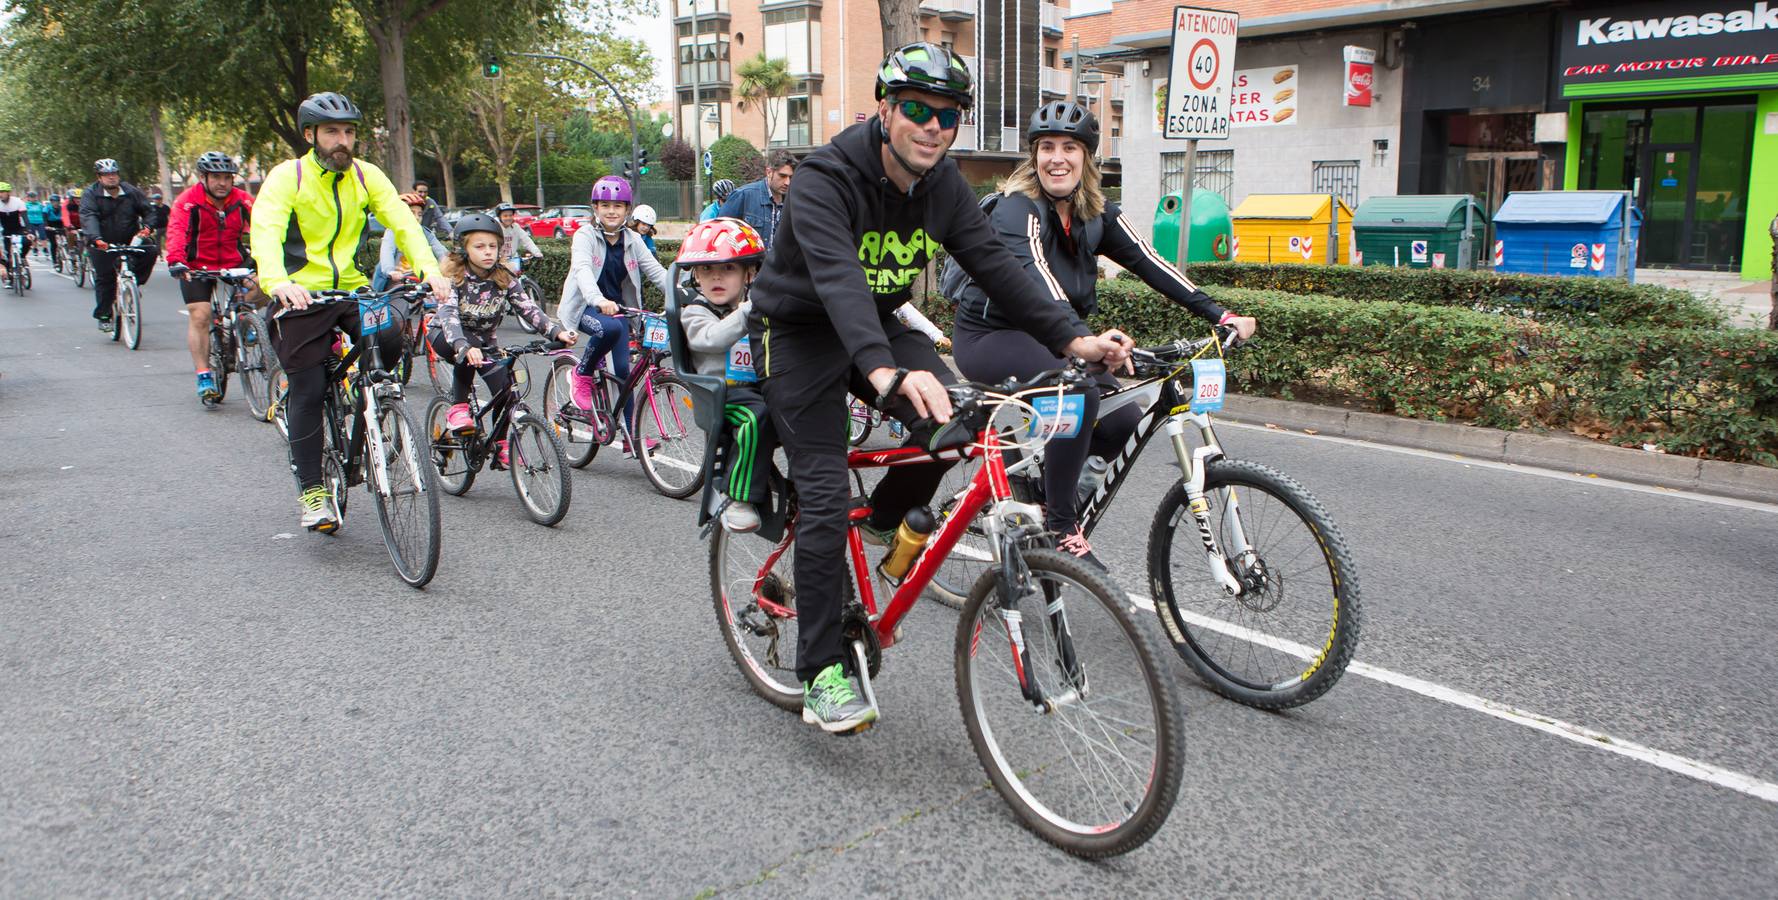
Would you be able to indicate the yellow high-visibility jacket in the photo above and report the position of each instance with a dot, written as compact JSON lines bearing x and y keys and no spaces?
{"x":308,"y":223}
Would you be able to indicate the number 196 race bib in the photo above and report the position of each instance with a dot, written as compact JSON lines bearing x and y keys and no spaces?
{"x":1208,"y":378}
{"x":740,"y":362}
{"x":654,"y":332}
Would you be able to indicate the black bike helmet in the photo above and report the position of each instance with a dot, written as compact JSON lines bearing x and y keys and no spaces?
{"x":505,"y":208}
{"x":106,"y":166}
{"x":216,"y":163}
{"x":926,"y":67}
{"x":326,"y":106}
{"x":722,"y":188}
{"x":473,"y":222}
{"x":1067,"y":119}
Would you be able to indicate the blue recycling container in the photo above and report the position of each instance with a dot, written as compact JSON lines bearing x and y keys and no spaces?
{"x":1584,"y":234}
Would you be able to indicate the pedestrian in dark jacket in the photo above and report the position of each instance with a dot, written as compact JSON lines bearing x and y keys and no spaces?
{"x":761,"y":203}
{"x":114,"y":212}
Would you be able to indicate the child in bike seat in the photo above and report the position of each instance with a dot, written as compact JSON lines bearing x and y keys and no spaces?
{"x":481,"y":290}
{"x":723,"y":256}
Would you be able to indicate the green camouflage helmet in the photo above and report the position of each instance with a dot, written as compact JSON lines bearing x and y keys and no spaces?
{"x":926,"y":67}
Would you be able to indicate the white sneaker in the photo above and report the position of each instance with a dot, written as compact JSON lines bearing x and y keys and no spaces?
{"x":740,"y":518}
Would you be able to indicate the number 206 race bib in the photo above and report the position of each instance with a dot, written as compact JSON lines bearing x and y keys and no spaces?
{"x":740,"y":362}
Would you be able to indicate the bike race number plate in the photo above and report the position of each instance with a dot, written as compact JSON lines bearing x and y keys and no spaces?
{"x":374,"y":316}
{"x":1208,"y":378}
{"x":654,"y":332}
{"x":740,"y":362}
{"x":1058,"y":417}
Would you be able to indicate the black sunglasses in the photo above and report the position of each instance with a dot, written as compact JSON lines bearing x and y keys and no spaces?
{"x":920,"y":113}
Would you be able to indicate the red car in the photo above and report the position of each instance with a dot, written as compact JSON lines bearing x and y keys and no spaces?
{"x":560,"y":221}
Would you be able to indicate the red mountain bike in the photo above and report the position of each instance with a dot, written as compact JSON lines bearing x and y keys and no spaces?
{"x":1063,"y":695}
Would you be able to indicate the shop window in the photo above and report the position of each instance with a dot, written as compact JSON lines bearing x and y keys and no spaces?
{"x":1339,"y":176}
{"x":1215,"y":171}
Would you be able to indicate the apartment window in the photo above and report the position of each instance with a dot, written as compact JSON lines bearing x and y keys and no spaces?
{"x":705,"y":26}
{"x":1049,"y":57}
{"x":793,"y":117}
{"x":704,"y":59}
{"x":948,"y":40}
{"x":794,"y":35}
{"x":1215,"y":172}
{"x":1338,"y":176}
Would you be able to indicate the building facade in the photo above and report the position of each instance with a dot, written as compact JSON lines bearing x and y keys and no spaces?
{"x":1675,"y":101}
{"x":833,"y":49}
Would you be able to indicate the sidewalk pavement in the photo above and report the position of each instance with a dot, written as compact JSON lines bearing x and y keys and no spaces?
{"x":1559,"y":452}
{"x":1748,"y":303}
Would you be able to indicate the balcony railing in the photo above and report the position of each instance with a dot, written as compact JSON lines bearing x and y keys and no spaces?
{"x":968,"y":138}
{"x":1054,"y":81}
{"x":710,"y":73}
{"x":950,"y":10}
{"x":1052,"y":17}
{"x":1009,"y":139}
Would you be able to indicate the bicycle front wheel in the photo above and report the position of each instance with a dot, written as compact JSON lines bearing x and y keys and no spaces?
{"x":222,"y":357}
{"x":1094,"y":766}
{"x":539,"y":469}
{"x":1291,"y":633}
{"x":858,"y":421}
{"x":129,"y":317}
{"x":672,"y":444}
{"x":407,"y":501}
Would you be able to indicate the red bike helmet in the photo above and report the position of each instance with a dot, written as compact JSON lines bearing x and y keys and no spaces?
{"x":721,"y":241}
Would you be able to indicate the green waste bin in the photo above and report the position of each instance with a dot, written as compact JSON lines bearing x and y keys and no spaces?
{"x":1212,"y":229}
{"x":1433,"y":231}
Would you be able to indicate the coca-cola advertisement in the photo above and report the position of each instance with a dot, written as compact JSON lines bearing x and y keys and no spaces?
{"x":1360,"y":71}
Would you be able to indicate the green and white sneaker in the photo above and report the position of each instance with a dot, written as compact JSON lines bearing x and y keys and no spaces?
{"x":318,"y":510}
{"x":834,"y":702}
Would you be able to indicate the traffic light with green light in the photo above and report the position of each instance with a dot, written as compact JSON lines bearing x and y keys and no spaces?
{"x":491,"y":68}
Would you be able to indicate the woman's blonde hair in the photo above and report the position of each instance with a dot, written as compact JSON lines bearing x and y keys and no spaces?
{"x":1088,"y":199}
{"x":455,"y":267}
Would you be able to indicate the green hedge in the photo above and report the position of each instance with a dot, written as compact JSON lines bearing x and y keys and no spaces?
{"x":1549,"y":298}
{"x":1695,"y":391}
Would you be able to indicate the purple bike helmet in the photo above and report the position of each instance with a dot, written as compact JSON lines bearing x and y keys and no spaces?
{"x":612,"y":187}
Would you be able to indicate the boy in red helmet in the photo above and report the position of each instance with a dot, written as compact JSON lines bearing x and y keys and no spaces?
{"x":724,"y":255}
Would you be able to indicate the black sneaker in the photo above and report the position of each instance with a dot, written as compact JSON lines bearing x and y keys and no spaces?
{"x":1075,"y":544}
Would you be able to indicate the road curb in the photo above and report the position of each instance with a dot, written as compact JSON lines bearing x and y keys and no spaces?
{"x":1556,"y":452}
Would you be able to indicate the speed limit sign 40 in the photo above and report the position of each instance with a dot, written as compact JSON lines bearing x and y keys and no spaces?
{"x":1201,"y":73}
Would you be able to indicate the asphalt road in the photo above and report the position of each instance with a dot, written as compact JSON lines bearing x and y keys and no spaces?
{"x":199,"y":698}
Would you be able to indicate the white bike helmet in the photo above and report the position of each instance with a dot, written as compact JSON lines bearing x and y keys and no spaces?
{"x":645,"y":214}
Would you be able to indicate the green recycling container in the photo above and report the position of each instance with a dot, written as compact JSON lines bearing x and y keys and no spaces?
{"x":1212,"y":230}
{"x":1433,"y":231}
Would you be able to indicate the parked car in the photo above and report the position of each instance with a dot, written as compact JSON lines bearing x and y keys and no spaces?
{"x":560,"y":221}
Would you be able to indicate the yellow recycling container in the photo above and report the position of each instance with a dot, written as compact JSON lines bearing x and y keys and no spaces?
{"x":1293,"y":228}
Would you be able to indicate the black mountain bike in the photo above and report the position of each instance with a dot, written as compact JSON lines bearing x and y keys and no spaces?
{"x":238,"y":340}
{"x":1252,"y":579}
{"x":369,"y":438}
{"x":534,"y":452}
{"x":126,"y":307}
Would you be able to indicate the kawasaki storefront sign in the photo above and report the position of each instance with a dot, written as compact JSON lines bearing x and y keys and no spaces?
{"x":1643,"y":48}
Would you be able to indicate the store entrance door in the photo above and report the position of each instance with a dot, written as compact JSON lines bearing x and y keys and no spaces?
{"x":1489,"y":177}
{"x":1668,"y":202}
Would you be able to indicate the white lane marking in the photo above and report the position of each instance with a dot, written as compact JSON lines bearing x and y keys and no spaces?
{"x":1594,"y":480}
{"x":1579,"y":734}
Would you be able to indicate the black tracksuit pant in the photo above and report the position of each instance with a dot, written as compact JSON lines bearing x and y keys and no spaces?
{"x":808,"y":374}
{"x":105,"y":275}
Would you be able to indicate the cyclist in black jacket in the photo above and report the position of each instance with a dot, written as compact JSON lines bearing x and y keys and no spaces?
{"x":113,"y":211}
{"x":1053,"y":216}
{"x":860,"y":224}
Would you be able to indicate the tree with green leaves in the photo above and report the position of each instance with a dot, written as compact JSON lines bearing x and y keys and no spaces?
{"x":762,"y":81}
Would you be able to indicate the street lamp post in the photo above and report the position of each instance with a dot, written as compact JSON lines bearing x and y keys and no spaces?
{"x":635,"y":142}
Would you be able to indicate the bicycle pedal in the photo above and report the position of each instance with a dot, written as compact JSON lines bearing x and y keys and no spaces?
{"x":856,"y":731}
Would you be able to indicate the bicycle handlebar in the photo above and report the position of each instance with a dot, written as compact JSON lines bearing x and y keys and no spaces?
{"x":232,"y":276}
{"x":1166,"y":355}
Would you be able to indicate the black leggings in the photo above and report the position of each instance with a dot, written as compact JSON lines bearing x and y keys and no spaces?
{"x":497,"y":378}
{"x":997,"y":355}
{"x":297,"y":339}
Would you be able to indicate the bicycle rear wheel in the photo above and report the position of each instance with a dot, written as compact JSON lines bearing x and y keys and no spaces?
{"x":129,"y":317}
{"x":448,"y":452}
{"x":539,"y":469}
{"x":407,"y":503}
{"x":858,"y":421}
{"x":80,"y":267}
{"x":672,"y":444}
{"x":1290,"y":635}
{"x":1096,"y":769}
{"x":580,"y":439}
{"x":253,"y":357}
{"x":753,"y":585}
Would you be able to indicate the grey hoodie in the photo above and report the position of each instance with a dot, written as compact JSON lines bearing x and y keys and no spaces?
{"x":710,"y":332}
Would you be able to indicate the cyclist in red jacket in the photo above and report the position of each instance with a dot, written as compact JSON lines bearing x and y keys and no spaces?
{"x":206,"y":230}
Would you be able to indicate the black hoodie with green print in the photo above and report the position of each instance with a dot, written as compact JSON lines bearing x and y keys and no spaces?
{"x":851,"y":244}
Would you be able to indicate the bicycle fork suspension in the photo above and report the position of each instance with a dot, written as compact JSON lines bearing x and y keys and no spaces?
{"x":1195,"y":464}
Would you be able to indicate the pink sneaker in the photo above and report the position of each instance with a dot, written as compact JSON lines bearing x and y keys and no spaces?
{"x":583,"y":390}
{"x":502,"y":459}
{"x":459,"y":420}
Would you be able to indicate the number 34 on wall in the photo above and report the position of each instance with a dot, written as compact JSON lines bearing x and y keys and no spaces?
{"x":1481,"y":83}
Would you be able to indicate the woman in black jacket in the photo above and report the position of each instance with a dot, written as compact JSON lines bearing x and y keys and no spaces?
{"x":1053,"y":216}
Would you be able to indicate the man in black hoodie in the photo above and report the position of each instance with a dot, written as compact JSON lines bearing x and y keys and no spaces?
{"x":113,"y":211}
{"x":860,"y":225}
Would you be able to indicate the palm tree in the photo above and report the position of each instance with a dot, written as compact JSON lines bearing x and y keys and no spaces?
{"x":761,"y":80}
